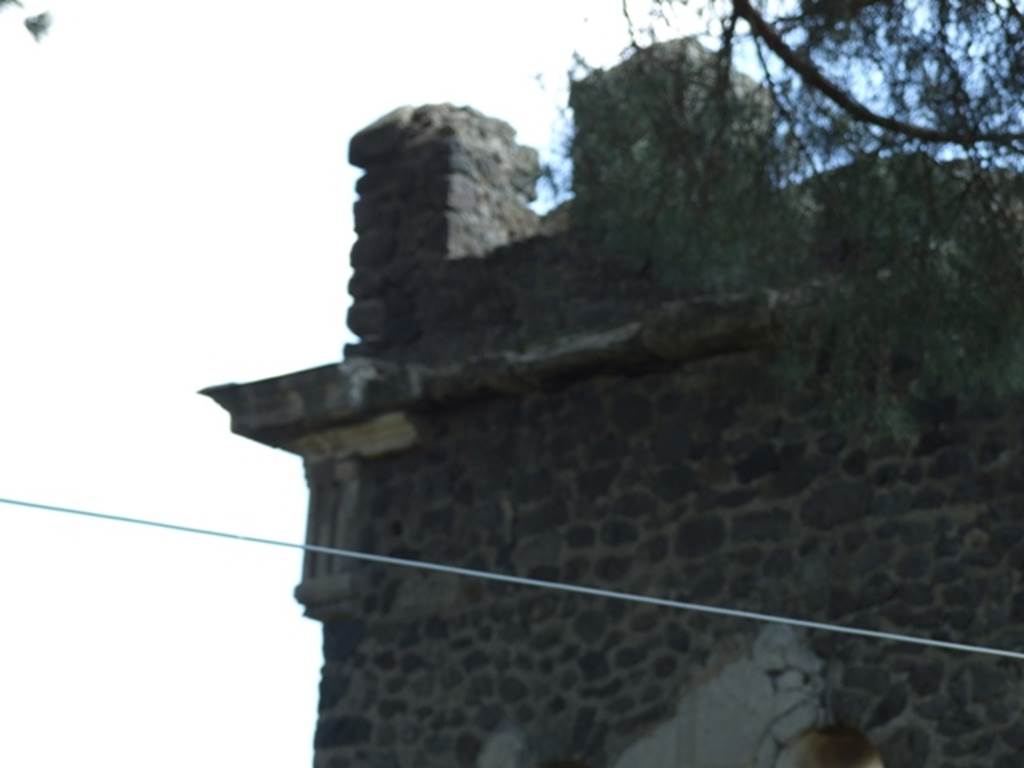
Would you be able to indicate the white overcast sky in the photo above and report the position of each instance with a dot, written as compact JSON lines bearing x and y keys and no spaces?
{"x":175,"y":212}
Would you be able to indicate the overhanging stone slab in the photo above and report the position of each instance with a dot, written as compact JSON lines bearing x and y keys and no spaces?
{"x":288,"y":411}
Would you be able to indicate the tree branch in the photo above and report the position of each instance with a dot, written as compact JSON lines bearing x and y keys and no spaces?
{"x":812,"y":77}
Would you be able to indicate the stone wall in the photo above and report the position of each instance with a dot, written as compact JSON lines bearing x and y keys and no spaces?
{"x":516,"y":407}
{"x":714,"y":496}
{"x":697,"y":482}
{"x":445,"y":186}
{"x":441,"y":183}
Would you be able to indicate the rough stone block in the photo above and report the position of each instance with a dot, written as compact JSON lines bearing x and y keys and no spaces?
{"x":378,"y":142}
{"x":373,"y":249}
{"x":367,"y":318}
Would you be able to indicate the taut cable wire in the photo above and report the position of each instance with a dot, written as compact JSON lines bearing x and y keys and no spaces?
{"x":523,"y":581}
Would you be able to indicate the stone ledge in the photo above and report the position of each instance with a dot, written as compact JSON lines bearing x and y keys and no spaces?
{"x":286,"y":411}
{"x":420,"y":595}
{"x":380,"y":435}
{"x":424,"y":594}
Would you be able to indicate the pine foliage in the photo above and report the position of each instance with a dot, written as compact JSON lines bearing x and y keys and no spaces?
{"x":876,"y":153}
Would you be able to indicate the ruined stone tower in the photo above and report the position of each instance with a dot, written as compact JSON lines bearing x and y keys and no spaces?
{"x":516,"y":407}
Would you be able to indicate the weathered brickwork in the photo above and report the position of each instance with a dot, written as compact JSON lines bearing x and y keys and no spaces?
{"x":525,"y":414}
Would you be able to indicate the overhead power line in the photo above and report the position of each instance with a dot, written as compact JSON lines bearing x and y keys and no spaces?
{"x":523,"y":581}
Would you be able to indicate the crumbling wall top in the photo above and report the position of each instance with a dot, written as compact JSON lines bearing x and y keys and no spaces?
{"x":442,"y":183}
{"x":459,"y":139}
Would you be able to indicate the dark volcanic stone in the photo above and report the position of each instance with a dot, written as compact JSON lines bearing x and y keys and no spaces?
{"x":576,"y":569}
{"x":889,"y":708}
{"x":365,"y":285}
{"x":590,"y":625}
{"x":670,"y":441}
{"x":762,"y":460}
{"x":386,"y":660}
{"x":612,"y":568}
{"x":467,"y":747}
{"x":987,"y":681}
{"x":735,"y":498}
{"x":543,"y":572}
{"x":856,"y":463}
{"x":870,"y":679}
{"x":372,"y":249}
{"x":342,"y":732}
{"x":925,"y":679}
{"x":333,"y":687}
{"x":630,"y":412}
{"x":779,"y":564}
{"x":849,"y":705}
{"x":914,"y":565}
{"x":388,"y":708}
{"x":930,"y":442}
{"x":512,"y":690}
{"x":376,"y":142}
{"x":991,"y":451}
{"x":439,"y":518}
{"x":700,"y":536}
{"x":489,"y":717}
{"x":831,"y":444}
{"x":615,"y":533}
{"x":928,"y":498}
{"x":596,"y":482}
{"x":593,"y":665}
{"x":1014,"y":736}
{"x":707,"y":586}
{"x":794,"y":477}
{"x":628,"y":657}
{"x":341,"y":638}
{"x":836,"y":504}
{"x":474,"y":660}
{"x":580,"y":536}
{"x":677,"y":638}
{"x":481,"y":687}
{"x":674,"y":483}
{"x":604,"y":449}
{"x":602,"y":692}
{"x":665,"y":666}
{"x":908,"y":747}
{"x":886,"y":474}
{"x":411,"y":662}
{"x":879,"y":588}
{"x":367,"y":317}
{"x":655,"y":549}
{"x":720,"y":417}
{"x":583,"y":729}
{"x":772,"y":524}
{"x":950,"y":461}
{"x":634,"y":504}
{"x":644,"y":621}
{"x":890,"y":504}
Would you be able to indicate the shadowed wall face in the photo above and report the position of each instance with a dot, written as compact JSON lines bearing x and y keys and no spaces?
{"x":442,"y":183}
{"x":697,"y":483}
{"x":535,"y":412}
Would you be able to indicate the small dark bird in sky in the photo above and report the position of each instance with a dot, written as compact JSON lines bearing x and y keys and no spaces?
{"x":38,"y":25}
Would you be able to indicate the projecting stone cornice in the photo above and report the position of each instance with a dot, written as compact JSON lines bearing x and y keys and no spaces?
{"x":316,"y":410}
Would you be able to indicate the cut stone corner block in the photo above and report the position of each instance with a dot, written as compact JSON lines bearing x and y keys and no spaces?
{"x":744,"y":710}
{"x":378,"y":436}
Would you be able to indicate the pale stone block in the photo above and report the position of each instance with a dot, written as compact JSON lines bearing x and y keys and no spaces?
{"x":387,"y":433}
{"x":505,"y":749}
{"x":736,"y":716}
